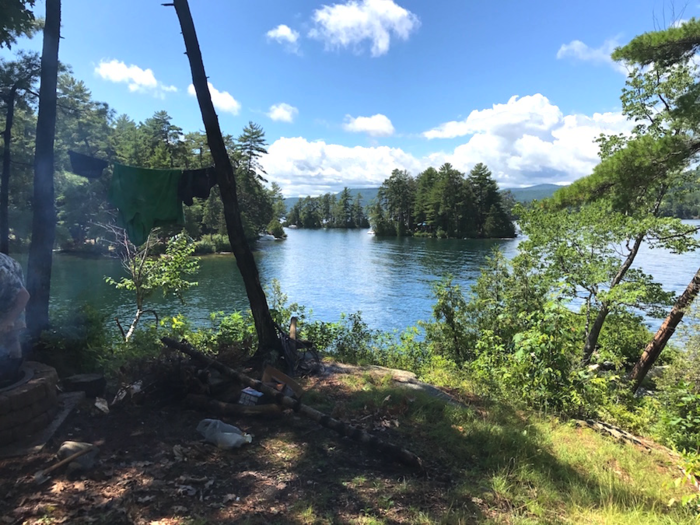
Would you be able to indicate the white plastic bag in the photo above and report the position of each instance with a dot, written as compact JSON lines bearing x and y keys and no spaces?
{"x":223,"y":435}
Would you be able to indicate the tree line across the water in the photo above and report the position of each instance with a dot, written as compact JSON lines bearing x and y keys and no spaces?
{"x":438,"y":202}
{"x":328,"y":211}
{"x":93,"y":128}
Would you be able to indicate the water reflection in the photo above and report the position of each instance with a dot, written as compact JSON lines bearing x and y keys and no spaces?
{"x":329,"y":271}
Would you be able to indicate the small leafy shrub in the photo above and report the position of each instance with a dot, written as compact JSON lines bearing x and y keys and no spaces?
{"x":622,"y":337}
{"x":221,"y":243}
{"x":691,"y":467}
{"x":680,"y":415}
{"x":539,"y":366}
{"x":142,"y":347}
{"x":355,"y":342}
{"x":77,"y":341}
{"x":226,"y":332}
{"x":204,"y":246}
{"x":450,"y":333}
{"x":679,"y":392}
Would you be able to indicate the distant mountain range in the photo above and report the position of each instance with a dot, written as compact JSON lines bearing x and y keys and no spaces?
{"x":537,"y":192}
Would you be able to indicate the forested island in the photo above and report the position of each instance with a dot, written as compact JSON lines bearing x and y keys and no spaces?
{"x":437,"y":203}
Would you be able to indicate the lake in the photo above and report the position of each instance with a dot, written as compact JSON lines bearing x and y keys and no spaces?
{"x":330,"y":272}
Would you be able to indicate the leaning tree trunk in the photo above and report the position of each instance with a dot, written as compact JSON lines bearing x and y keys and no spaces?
{"x":43,"y":206}
{"x":264,"y":324}
{"x":594,"y":334}
{"x":658,"y":343}
{"x":5,"y":182}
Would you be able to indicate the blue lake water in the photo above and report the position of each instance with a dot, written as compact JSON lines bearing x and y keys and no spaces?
{"x":331,"y":272}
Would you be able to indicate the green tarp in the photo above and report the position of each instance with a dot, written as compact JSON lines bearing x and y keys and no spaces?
{"x":145,"y":199}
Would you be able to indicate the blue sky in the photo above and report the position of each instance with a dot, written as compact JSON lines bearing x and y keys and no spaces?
{"x":348,"y":91}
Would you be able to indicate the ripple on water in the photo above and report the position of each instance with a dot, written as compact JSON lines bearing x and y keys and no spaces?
{"x":329,"y":271}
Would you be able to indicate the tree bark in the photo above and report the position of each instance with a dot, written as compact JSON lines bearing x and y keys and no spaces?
{"x":594,"y":334}
{"x":136,"y":320}
{"x":5,"y":182}
{"x":264,"y":324}
{"x":658,"y":343}
{"x":44,"y":211}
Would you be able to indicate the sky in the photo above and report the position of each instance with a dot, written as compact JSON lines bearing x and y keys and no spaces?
{"x":347,"y":91}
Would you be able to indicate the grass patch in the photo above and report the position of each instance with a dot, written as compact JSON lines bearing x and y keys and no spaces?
{"x":505,"y":466}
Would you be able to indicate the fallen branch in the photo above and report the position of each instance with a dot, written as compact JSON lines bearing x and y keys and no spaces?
{"x":357,"y":434}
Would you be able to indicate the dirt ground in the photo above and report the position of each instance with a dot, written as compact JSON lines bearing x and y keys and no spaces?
{"x":153,"y":467}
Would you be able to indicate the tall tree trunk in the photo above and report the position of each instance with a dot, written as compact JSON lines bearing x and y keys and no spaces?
{"x":43,"y":206}
{"x":5,"y":182}
{"x":264,"y":325}
{"x":658,"y":343}
{"x":594,"y":334}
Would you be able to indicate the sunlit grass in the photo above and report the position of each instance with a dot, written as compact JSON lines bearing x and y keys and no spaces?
{"x":514,"y":467}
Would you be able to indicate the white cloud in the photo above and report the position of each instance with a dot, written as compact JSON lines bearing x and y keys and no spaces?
{"x":222,"y":100}
{"x":528,"y":114}
{"x":286,"y":36}
{"x":526,"y":141}
{"x":352,"y":23}
{"x":137,"y":79}
{"x":679,"y":22}
{"x":376,"y":126}
{"x":306,"y":167}
{"x":577,"y":50}
{"x":282,"y":112}
{"x":529,"y":140}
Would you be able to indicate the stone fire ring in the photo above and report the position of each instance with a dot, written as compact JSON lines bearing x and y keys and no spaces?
{"x":29,"y":406}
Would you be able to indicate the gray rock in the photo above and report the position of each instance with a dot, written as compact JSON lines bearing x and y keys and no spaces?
{"x":84,"y":462}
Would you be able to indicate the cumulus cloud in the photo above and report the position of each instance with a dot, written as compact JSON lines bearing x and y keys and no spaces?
{"x":137,"y":79}
{"x":528,"y":139}
{"x":306,"y":167}
{"x":577,"y":50}
{"x":354,"y":22}
{"x":282,"y":112}
{"x":283,"y":34}
{"x":529,"y":114}
{"x":525,"y":141}
{"x":375,"y":126}
{"x":222,"y":100}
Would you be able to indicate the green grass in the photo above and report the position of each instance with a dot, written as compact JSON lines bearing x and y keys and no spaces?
{"x":506,"y":466}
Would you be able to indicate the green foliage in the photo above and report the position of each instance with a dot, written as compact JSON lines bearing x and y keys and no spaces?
{"x":442,"y":203}
{"x":166,"y":273}
{"x":235,"y":331}
{"x":328,"y":211}
{"x":542,"y":359}
{"x":17,"y":20}
{"x":148,"y":273}
{"x":77,"y":342}
{"x":663,"y":48}
{"x":538,"y":367}
{"x":679,"y":391}
{"x":683,"y":201}
{"x":691,"y":474}
{"x":622,"y":338}
{"x":204,"y":246}
{"x":275,"y":229}
{"x":450,"y":335}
